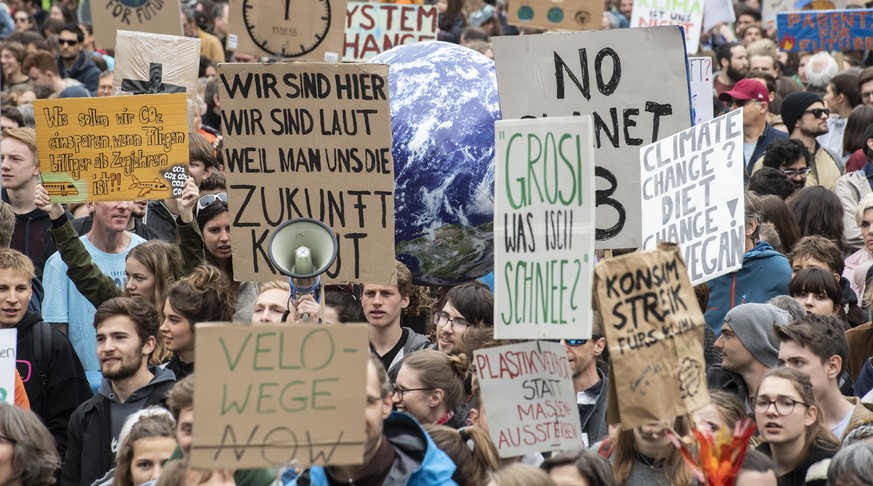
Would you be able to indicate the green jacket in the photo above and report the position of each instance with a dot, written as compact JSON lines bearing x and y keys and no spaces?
{"x":92,"y":283}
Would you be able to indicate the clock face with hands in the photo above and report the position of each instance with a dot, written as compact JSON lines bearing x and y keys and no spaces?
{"x":287,"y":28}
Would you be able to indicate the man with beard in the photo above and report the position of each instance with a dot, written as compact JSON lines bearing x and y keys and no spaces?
{"x":73,"y":61}
{"x":851,"y":188}
{"x":754,"y":98}
{"x":791,"y":158}
{"x":127,"y":330}
{"x":53,"y":377}
{"x":590,"y":375}
{"x":806,"y":118}
{"x":733,"y":64}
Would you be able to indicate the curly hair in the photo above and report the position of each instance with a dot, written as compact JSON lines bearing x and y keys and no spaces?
{"x":202,"y":296}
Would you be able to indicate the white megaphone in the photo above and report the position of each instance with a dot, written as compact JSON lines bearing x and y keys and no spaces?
{"x":302,"y":249}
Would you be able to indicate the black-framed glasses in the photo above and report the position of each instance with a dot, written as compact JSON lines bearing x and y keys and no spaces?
{"x":818,"y":112}
{"x":783,"y":405}
{"x":399,"y":390}
{"x":69,"y":42}
{"x":458,"y":324}
{"x":794,"y":172}
{"x":574,"y":342}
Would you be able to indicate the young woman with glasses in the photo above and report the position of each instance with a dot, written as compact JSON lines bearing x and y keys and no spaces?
{"x":792,"y":428}
{"x":430,"y":387}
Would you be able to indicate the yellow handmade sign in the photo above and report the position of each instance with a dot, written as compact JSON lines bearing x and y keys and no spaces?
{"x":112,"y":149}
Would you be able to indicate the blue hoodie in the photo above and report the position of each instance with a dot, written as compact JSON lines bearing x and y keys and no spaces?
{"x":419,"y":462}
{"x":765,"y":274}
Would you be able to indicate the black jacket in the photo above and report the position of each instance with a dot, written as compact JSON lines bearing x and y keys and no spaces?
{"x":83,"y":71}
{"x":89,"y":453}
{"x":30,"y":235}
{"x":53,"y":376}
{"x":159,"y":219}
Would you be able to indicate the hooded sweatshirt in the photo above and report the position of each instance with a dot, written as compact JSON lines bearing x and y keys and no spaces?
{"x":94,"y":427}
{"x":765,"y":274}
{"x":55,"y":383}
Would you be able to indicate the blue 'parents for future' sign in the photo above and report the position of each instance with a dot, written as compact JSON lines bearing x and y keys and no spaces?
{"x":831,"y":30}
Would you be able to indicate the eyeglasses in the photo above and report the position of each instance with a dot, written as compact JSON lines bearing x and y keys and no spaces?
{"x":459,"y":324}
{"x":783,"y":405}
{"x":796,"y":172}
{"x":69,"y":42}
{"x":574,"y":342}
{"x":400,"y":390}
{"x":209,"y":199}
{"x":866,"y":94}
{"x":818,"y":112}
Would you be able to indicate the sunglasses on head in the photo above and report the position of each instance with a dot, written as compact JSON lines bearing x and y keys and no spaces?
{"x":208,"y":199}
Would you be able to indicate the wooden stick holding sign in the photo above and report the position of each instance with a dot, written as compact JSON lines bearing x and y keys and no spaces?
{"x":276,"y":395}
{"x":115,"y":148}
{"x":654,"y":329}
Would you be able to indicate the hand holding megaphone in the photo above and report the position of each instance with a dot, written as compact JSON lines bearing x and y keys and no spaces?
{"x":307,"y":307}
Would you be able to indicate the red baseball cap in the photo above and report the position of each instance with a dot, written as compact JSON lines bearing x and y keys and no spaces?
{"x":746,"y":89}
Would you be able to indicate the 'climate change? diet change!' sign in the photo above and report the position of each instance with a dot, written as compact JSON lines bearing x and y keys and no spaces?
{"x":543,"y":228}
{"x":693,"y":195}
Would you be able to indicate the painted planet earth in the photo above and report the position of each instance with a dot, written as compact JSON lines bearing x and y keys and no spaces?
{"x":443,"y":108}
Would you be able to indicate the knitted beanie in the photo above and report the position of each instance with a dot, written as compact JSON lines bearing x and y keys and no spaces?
{"x":753,"y":325}
{"x":794,"y":105}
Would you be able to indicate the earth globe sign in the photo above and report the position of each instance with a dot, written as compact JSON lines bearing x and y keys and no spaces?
{"x":443,"y":107}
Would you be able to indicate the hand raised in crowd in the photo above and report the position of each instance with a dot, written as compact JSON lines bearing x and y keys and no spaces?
{"x":42,"y":201}
{"x":307,"y":305}
{"x":188,"y":200}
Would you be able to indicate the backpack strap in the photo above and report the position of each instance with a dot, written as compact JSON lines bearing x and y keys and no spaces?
{"x":42,"y":352}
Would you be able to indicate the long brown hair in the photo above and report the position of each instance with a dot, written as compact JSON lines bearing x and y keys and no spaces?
{"x":625,"y":453}
{"x":816,"y":435}
{"x":473,"y":464}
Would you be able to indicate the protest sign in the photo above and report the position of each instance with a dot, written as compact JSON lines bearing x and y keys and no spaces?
{"x":148,"y":63}
{"x":717,"y":12}
{"x":8,"y":351}
{"x":530,"y":396}
{"x":685,"y":13}
{"x":274,"y":395}
{"x":700,"y":81}
{"x":556,"y":14}
{"x":116,"y":148}
{"x":313,"y":141}
{"x":654,"y":329}
{"x":836,"y":30}
{"x":544,"y":228}
{"x":634,"y":82}
{"x":154,"y":16}
{"x":372,"y":28}
{"x":309,"y":30}
{"x":770,"y":8}
{"x":693,"y":195}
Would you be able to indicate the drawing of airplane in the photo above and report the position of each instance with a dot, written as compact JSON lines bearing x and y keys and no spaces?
{"x":148,"y":186}
{"x":62,"y":189}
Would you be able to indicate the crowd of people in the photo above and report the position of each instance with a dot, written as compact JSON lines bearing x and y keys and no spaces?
{"x":105,"y":296}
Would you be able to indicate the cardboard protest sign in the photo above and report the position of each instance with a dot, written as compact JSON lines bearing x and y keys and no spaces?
{"x":556,"y":14}
{"x":654,"y":329}
{"x":309,"y":30}
{"x":634,"y":82}
{"x":313,"y":141}
{"x":530,"y":397}
{"x":700,"y":81}
{"x":275,"y":395}
{"x":544,"y":228}
{"x":693,"y":195}
{"x":153,"y":16}
{"x":8,"y":351}
{"x":770,"y":8}
{"x":117,"y":148}
{"x":834,"y":30}
{"x":372,"y":28}
{"x":147,"y":63}
{"x":685,"y":13}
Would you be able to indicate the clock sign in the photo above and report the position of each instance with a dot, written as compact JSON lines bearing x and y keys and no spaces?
{"x":302,"y":29}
